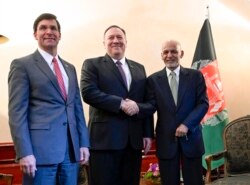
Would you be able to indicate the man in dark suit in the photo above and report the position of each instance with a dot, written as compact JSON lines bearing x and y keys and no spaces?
{"x":45,"y":111}
{"x":116,"y":133}
{"x":178,"y":131}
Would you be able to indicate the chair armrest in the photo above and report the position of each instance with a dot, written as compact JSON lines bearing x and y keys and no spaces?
{"x":209,"y":159}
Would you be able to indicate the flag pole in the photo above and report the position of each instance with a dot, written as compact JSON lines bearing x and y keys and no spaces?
{"x":208,"y":15}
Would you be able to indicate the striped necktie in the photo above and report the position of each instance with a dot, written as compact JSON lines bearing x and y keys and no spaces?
{"x":59,"y":78}
{"x":119,"y":65}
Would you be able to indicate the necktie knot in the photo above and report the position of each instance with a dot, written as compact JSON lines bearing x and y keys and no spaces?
{"x":173,"y":74}
{"x":118,"y":63}
{"x":54,"y":60}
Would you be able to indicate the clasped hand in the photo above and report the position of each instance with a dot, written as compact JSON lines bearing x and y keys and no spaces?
{"x":130,"y":107}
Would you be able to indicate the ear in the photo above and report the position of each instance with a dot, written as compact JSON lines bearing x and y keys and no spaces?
{"x":126,"y":43}
{"x":35,"y":35}
{"x":60,"y":35}
{"x":103,"y":42}
{"x":162,"y":56}
{"x":182,"y":53}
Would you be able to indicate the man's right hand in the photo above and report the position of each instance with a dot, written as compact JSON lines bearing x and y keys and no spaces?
{"x":130,"y":107}
{"x":28,"y":165}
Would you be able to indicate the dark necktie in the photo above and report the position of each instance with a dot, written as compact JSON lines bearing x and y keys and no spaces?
{"x":119,"y":65}
{"x":174,"y":86}
{"x":59,"y":78}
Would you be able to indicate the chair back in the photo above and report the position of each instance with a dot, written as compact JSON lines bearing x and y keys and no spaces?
{"x":237,"y":143}
{"x":6,"y":179}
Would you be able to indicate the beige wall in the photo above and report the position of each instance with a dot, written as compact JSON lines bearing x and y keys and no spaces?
{"x":148,"y":23}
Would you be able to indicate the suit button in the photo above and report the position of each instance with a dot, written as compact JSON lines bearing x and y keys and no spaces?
{"x":64,"y":123}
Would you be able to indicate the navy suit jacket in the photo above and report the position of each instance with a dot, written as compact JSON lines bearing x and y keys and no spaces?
{"x":192,"y":105}
{"x":38,"y":114}
{"x":103,"y":89}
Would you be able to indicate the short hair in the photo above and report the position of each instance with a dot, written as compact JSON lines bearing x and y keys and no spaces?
{"x":114,"y":26}
{"x":46,"y":16}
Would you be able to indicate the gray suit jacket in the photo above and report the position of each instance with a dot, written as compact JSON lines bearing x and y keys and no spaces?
{"x":39,"y":116}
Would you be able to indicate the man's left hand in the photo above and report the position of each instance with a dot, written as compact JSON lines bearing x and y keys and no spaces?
{"x":181,"y":130}
{"x":84,"y":155}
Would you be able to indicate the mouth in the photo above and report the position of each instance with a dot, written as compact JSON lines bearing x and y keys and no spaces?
{"x":50,"y":39}
{"x":116,"y":46}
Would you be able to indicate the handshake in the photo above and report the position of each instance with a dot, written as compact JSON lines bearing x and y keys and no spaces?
{"x":130,"y":107}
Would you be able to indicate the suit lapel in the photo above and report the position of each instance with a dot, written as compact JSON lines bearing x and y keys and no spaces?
{"x":43,"y":66}
{"x":133,"y":72}
{"x":165,"y":88}
{"x":70,"y":77}
{"x":113,"y":68}
{"x":183,"y":84}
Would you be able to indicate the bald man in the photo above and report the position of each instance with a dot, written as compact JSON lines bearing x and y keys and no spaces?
{"x":180,"y":104}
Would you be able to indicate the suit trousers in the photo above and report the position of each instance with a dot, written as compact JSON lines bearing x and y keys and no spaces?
{"x":64,"y":173}
{"x":115,"y":167}
{"x":191,"y":169}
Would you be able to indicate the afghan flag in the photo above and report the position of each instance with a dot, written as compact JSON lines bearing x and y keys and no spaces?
{"x":217,"y":117}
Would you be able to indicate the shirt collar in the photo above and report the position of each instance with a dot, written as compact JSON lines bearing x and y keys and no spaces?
{"x":47,"y":57}
{"x":177,"y":71}
{"x":122,"y":60}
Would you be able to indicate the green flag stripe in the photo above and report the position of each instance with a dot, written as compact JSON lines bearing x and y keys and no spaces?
{"x":218,"y":118}
{"x":212,"y":136}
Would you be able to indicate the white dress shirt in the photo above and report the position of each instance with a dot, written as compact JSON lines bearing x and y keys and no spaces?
{"x":177,"y":72}
{"x":48,"y":58}
{"x":126,"y":70}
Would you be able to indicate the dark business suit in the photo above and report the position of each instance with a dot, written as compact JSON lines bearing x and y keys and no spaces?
{"x":41,"y":122}
{"x":192,"y":105}
{"x":110,"y":129}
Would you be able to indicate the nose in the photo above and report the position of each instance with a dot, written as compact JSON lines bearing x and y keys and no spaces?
{"x":115,"y":39}
{"x":49,"y":31}
{"x":169,"y":54}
